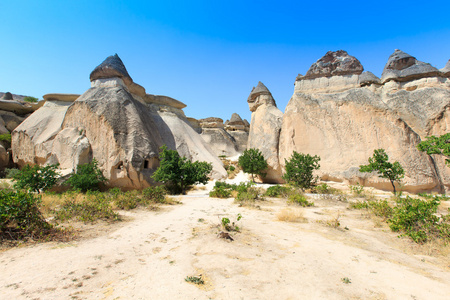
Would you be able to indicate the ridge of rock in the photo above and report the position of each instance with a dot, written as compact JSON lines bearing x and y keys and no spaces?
{"x":334,"y":63}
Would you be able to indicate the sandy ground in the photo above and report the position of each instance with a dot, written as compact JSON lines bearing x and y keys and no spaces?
{"x":150,"y":256}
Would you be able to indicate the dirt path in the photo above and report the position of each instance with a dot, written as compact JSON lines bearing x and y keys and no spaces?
{"x":150,"y":256}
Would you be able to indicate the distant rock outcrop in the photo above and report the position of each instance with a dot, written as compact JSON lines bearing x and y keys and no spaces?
{"x":345,"y":117}
{"x":116,"y":123}
{"x":7,"y":96}
{"x":220,"y":141}
{"x":334,"y":63}
{"x":239,"y":130}
{"x":265,"y":129}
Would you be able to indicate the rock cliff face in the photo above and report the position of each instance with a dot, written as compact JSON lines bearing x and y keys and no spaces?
{"x":265,"y":130}
{"x":347,"y":115}
{"x":115,"y":122}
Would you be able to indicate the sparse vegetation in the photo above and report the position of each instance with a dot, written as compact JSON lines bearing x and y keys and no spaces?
{"x":230,"y":226}
{"x":385,"y":169}
{"x":299,"y":199}
{"x":279,"y":191}
{"x":300,"y":168}
{"x":11,"y":173}
{"x":253,"y":162}
{"x":357,"y":189}
{"x":346,"y":280}
{"x":30,"y":99}
{"x":87,"y":178}
{"x":178,"y":172}
{"x":195,"y":279}
{"x":291,"y":215}
{"x":6,"y":137}
{"x":36,"y":178}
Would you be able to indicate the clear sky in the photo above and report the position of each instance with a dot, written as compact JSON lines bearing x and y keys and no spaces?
{"x":208,"y":54}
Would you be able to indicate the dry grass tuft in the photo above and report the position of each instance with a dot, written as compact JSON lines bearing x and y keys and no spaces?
{"x":291,"y":215}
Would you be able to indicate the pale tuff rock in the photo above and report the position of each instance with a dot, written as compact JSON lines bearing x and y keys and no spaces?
{"x":238,"y":129}
{"x":195,"y":124}
{"x":344,"y":126}
{"x":61,"y":97}
{"x":446,"y":70}
{"x":114,"y":122}
{"x":265,"y":129}
{"x":214,"y":134}
{"x":404,"y":67}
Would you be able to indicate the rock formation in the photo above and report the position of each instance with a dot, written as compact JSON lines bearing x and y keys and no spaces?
{"x":346,"y":116}
{"x":7,"y":96}
{"x":115,"y":122}
{"x":220,"y":141}
{"x":238,"y":129}
{"x":265,"y":129}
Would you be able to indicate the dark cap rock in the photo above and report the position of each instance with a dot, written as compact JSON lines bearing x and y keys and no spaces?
{"x":403,"y":67}
{"x":111,"y":67}
{"x":334,"y":63}
{"x":367,"y":78}
{"x":260,"y":89}
{"x":235,"y":119}
{"x":7,"y":96}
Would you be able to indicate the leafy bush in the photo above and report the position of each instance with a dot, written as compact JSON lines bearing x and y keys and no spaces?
{"x":30,"y":99}
{"x":380,"y":163}
{"x":11,"y":173}
{"x":36,"y":178}
{"x":278,"y":191}
{"x":253,"y":162}
{"x":300,"y":200}
{"x":220,"y":192}
{"x":299,"y":170}
{"x":231,"y":226}
{"x":357,"y":189}
{"x":381,"y":208}
{"x":155,"y":194}
{"x":249,"y":194}
{"x":324,"y":189}
{"x":87,"y":178}
{"x":6,"y":137}
{"x":418,"y":220}
{"x":179,"y":172}
{"x":20,"y":215}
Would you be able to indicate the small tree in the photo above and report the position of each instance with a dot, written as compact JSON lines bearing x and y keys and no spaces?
{"x":252,"y":161}
{"x":179,"y":172}
{"x":380,"y":163}
{"x":36,"y":178}
{"x":437,"y":145}
{"x":299,"y":170}
{"x":30,"y":99}
{"x":87,"y":178}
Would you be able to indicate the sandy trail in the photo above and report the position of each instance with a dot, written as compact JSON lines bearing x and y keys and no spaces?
{"x":150,"y":256}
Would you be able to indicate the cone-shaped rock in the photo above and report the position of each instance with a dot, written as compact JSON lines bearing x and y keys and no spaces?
{"x":265,"y":130}
{"x":367,"y":78}
{"x":404,"y":67}
{"x":7,"y":96}
{"x":111,"y":67}
{"x":334,"y":63}
{"x":446,"y":70}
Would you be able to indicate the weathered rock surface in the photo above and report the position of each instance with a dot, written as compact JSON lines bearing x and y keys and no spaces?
{"x":265,"y":129}
{"x":411,"y":102}
{"x":446,"y":70}
{"x":114,"y":122}
{"x":61,"y":97}
{"x":334,"y":63}
{"x":238,"y":129}
{"x":195,"y":124}
{"x":404,"y":67}
{"x":7,"y":96}
{"x":214,"y":134}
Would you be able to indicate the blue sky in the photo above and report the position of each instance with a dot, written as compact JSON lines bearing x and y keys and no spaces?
{"x":208,"y":54}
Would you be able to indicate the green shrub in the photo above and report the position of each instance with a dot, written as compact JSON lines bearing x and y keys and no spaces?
{"x":30,"y":99}
{"x":299,"y":170}
{"x":20,"y":215}
{"x":300,"y":200}
{"x":381,"y":208}
{"x":278,"y":191}
{"x":249,"y":194}
{"x":87,"y":178}
{"x":324,"y":189}
{"x":5,"y":137}
{"x":231,"y":226}
{"x":357,"y":189}
{"x":155,"y":194}
{"x":220,"y":192}
{"x":253,"y":162}
{"x":36,"y":178}
{"x":11,"y":173}
{"x":178,"y":172}
{"x":418,"y":220}
{"x":360,"y":205}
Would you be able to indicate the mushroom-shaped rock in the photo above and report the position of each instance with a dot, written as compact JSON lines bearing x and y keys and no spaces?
{"x":260,"y":95}
{"x":211,"y":122}
{"x":238,"y":129}
{"x":111,"y":67}
{"x":7,"y":96}
{"x":265,"y":130}
{"x":404,"y":67}
{"x":367,"y":78}
{"x":334,"y":63}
